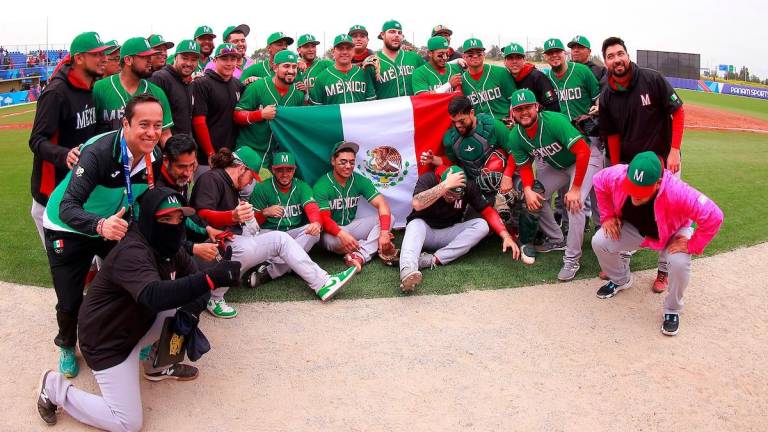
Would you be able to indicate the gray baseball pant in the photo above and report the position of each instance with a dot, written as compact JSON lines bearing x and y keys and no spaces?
{"x":278,"y":266}
{"x":365,"y":230}
{"x":449,"y":243}
{"x":553,"y":179}
{"x":119,"y":406}
{"x":615,"y":262}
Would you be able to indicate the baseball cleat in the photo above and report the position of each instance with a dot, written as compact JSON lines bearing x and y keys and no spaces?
{"x":409,"y":282}
{"x":354,"y":260}
{"x":259,"y":277}
{"x":661,"y":282}
{"x":549,"y":246}
{"x":45,"y":407}
{"x":569,"y":270}
{"x":611,"y":289}
{"x":334,"y":284}
{"x":527,"y":254}
{"x":179,"y":372}
{"x":671,"y":324}
{"x":427,"y":261}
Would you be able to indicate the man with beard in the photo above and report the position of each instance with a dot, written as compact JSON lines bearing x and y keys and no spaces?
{"x":236,"y":36}
{"x":215,"y":96}
{"x":89,"y":210}
{"x":581,"y":51}
{"x":393,"y":77}
{"x":64,"y":119}
{"x":174,"y":80}
{"x":342,"y":82}
{"x":309,"y":65}
{"x":111,"y":94}
{"x":284,"y":203}
{"x":276,"y":42}
{"x":441,"y":30}
{"x":359,"y":36}
{"x":566,"y":160}
{"x":161,"y":47}
{"x":113,"y":59}
{"x":258,"y":105}
{"x":437,"y":76}
{"x":639,"y":111}
{"x":204,"y":37}
{"x":489,"y":87}
{"x":527,"y":76}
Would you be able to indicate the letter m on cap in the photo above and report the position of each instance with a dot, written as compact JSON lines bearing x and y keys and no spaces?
{"x":284,"y":158}
{"x":172,"y":199}
{"x":551,"y":43}
{"x":473,"y":42}
{"x":521,"y":97}
{"x":638,"y":176}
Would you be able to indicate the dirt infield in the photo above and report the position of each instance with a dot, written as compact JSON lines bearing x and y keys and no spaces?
{"x":16,"y":126}
{"x":700,"y":117}
{"x":548,"y":357}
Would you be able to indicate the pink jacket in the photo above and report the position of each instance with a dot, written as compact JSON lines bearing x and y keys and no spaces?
{"x":677,"y":204}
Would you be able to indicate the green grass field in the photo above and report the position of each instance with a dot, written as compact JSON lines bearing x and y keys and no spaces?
{"x":757,"y":108}
{"x":733,"y":178}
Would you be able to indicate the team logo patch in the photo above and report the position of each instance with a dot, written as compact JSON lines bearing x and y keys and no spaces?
{"x":58,"y":246}
{"x":79,"y":171}
{"x":384,"y":166}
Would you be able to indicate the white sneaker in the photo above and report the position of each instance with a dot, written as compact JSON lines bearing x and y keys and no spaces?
{"x":220,"y":309}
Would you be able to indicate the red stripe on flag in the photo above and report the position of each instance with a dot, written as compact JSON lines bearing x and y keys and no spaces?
{"x":430,"y":121}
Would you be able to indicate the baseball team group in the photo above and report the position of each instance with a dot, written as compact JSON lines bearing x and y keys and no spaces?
{"x":157,"y":183}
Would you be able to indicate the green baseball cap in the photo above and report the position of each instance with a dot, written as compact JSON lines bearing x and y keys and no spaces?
{"x":389,"y":25}
{"x":249,"y":157}
{"x":513,"y":48}
{"x":204,"y":30}
{"x":88,"y":42}
{"x":242,"y":28}
{"x":437,"y":42}
{"x":579,"y":40}
{"x":342,"y":39}
{"x":112,"y":47}
{"x":171,"y":204}
{"x":644,"y":171}
{"x":286,"y":56}
{"x":277,"y":36}
{"x":226,"y":49}
{"x":472,"y":43}
{"x":439,"y":29}
{"x":156,"y":41}
{"x":357,"y":28}
{"x":136,"y":46}
{"x":451,"y":170}
{"x":307,"y":38}
{"x":188,"y":46}
{"x":522,"y":97}
{"x":345,"y":146}
{"x":553,"y":44}
{"x":283,"y":159}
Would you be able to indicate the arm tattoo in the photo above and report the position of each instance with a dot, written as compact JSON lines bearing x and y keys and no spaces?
{"x":430,"y":196}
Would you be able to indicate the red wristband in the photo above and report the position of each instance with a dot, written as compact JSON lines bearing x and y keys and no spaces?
{"x":385,"y":222}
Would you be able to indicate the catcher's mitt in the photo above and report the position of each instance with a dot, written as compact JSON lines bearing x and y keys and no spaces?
{"x":389,"y":254}
{"x":373,"y":61}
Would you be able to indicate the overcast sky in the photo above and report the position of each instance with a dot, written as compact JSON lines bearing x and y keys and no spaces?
{"x":732,"y":32}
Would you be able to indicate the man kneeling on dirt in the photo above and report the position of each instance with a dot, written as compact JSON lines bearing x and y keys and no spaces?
{"x":439,"y":204}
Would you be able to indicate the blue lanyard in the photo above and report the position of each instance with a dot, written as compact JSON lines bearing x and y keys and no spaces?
{"x":126,"y":172}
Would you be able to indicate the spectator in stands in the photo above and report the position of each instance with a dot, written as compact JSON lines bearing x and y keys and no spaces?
{"x":2,"y":56}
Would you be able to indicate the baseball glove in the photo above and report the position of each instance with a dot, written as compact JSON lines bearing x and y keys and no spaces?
{"x":389,"y":254}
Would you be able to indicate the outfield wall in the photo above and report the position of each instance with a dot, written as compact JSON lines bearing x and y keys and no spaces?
{"x":719,"y":87}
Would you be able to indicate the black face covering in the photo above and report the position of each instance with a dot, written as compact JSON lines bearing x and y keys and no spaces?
{"x":165,"y":239}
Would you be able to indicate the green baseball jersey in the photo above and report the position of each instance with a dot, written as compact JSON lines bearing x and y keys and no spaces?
{"x":395,"y":76}
{"x":577,"y":89}
{"x":258,"y":135}
{"x":426,"y":78}
{"x":261,"y":69}
{"x":268,"y":193}
{"x":201,"y":64}
{"x":310,"y":74}
{"x":552,"y":143}
{"x":110,"y":98}
{"x":342,"y":200}
{"x":333,"y":87}
{"x":490,"y":94}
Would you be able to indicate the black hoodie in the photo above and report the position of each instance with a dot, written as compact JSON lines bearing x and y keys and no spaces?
{"x":65,"y":118}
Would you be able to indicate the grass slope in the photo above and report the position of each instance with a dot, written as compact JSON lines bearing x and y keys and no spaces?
{"x":753,"y":107}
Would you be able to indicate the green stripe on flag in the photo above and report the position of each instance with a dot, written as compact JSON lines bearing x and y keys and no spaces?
{"x":309,"y":133}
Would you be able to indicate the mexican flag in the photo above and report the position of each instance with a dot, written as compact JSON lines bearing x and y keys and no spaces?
{"x":391,"y":133}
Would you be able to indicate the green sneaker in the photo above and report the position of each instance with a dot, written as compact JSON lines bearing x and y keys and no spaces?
{"x":68,"y":362}
{"x":220,"y":309}
{"x":334,"y":284}
{"x":145,"y":352}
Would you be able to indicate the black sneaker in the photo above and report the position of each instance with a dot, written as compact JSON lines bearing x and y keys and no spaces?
{"x":179,"y":372}
{"x":259,"y":277}
{"x":611,"y":289}
{"x":671,"y":324}
{"x":45,"y":407}
{"x":549,"y":246}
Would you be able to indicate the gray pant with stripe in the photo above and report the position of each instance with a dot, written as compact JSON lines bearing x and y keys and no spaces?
{"x":364,"y":230}
{"x":119,"y":406}
{"x":277,"y":266}
{"x":615,"y":262}
{"x":449,"y":243}
{"x":553,"y":179}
